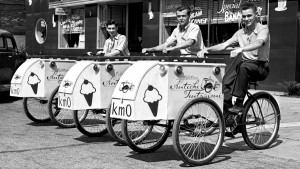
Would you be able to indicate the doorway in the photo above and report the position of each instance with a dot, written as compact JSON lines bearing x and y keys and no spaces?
{"x":135,"y":26}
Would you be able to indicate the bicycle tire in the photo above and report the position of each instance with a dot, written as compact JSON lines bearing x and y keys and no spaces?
{"x":61,"y":117}
{"x":114,"y":128}
{"x":260,"y":140}
{"x":93,"y":125}
{"x":193,"y":139}
{"x":37,"y":111}
{"x":146,"y":136}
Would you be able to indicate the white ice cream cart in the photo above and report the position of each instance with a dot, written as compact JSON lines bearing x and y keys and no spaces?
{"x":88,"y":86}
{"x":152,"y":94}
{"x":35,"y":80}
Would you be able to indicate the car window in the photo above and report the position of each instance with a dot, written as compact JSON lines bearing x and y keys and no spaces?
{"x":9,"y":43}
{"x":1,"y":42}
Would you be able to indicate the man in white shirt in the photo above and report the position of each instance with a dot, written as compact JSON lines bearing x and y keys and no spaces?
{"x":186,"y":37}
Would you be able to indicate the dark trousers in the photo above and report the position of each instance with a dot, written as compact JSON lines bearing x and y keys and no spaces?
{"x":237,"y":82}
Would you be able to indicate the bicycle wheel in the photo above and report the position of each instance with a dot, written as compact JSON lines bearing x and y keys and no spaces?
{"x":62,"y":117}
{"x":36,"y":109}
{"x":93,"y":124}
{"x":194,"y":140}
{"x":114,"y":127}
{"x":146,"y":136}
{"x":261,"y":119}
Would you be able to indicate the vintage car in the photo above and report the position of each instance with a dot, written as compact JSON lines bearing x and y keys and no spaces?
{"x":10,"y":59}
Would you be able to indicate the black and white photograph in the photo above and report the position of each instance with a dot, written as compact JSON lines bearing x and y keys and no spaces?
{"x":120,"y":84}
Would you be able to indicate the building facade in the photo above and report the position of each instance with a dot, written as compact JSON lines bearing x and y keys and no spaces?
{"x":74,"y":27}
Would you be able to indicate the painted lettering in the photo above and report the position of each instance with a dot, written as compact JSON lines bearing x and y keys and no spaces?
{"x":64,"y":102}
{"x":228,"y":7}
{"x":121,"y":110}
{"x":15,"y":91}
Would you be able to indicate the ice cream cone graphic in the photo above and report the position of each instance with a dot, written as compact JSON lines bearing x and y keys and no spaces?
{"x":87,"y":90}
{"x":152,"y":97}
{"x":33,"y":81}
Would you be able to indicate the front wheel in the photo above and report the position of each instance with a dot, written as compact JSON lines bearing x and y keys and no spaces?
{"x":36,"y":109}
{"x":198,"y":131}
{"x":114,"y":127}
{"x":146,"y":136}
{"x":261,"y":121}
{"x":93,"y":124}
{"x":62,"y":117}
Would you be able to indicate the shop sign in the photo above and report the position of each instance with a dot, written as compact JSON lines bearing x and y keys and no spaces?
{"x":62,"y":11}
{"x":228,"y":10}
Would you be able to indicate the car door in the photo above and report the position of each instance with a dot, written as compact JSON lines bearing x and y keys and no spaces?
{"x":6,"y":58}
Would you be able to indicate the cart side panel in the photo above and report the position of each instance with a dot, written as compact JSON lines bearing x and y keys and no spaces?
{"x":152,"y":97}
{"x":55,"y":72}
{"x":18,"y":78}
{"x":80,"y":87}
{"x":124,"y":95}
{"x":33,"y":81}
{"x":109,"y":79}
{"x":193,"y":82}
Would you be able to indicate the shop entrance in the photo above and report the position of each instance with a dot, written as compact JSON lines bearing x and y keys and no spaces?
{"x":135,"y":26}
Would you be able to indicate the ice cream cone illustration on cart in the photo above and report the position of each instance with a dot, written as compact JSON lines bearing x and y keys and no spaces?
{"x":87,"y":90}
{"x":152,"y":97}
{"x":33,"y":81}
{"x":281,"y":5}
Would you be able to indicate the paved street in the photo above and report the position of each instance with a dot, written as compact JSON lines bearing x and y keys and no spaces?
{"x":24,"y":144}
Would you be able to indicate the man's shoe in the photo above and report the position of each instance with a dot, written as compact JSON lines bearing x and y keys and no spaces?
{"x":236,"y":109}
{"x":229,"y":134}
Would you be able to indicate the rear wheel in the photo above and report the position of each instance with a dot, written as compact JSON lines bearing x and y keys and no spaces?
{"x":146,"y":136}
{"x":198,"y":131}
{"x":262,"y":121}
{"x":93,"y":124}
{"x":62,"y":117}
{"x":35,"y":109}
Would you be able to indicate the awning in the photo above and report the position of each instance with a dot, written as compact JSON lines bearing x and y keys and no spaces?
{"x":70,"y":3}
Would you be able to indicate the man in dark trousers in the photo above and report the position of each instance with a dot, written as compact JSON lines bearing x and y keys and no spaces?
{"x":254,"y":46}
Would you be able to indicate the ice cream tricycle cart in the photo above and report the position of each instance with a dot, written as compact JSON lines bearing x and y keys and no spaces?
{"x":35,"y":80}
{"x":185,"y":95}
{"x":87,"y":89}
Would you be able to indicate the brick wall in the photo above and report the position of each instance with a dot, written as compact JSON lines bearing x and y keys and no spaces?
{"x":12,"y":16}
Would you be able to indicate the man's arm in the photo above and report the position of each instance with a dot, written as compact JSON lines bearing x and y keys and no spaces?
{"x":262,"y":37}
{"x":158,"y":48}
{"x":184,"y":45}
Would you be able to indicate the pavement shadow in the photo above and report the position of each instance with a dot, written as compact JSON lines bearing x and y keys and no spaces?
{"x":5,"y":98}
{"x":167,"y":153}
{"x":41,"y":124}
{"x":104,"y":138}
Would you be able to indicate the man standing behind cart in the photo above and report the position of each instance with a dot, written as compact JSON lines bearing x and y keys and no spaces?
{"x":186,"y":37}
{"x":254,"y":47}
{"x":116,"y":44}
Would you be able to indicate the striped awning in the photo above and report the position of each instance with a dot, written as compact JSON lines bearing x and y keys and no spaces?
{"x":70,"y":3}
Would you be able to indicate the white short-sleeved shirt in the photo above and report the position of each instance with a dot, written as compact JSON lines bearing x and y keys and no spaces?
{"x":119,"y":42}
{"x":191,"y":31}
{"x":244,"y":38}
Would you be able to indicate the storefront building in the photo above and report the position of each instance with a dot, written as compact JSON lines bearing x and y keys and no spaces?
{"x":74,"y":27}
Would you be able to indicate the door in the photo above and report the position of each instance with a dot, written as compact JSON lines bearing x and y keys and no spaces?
{"x":7,"y":58}
{"x":135,"y":28}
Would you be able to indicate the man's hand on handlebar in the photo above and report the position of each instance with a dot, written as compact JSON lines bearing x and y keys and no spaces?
{"x":235,"y":52}
{"x":100,"y":53}
{"x":201,"y":53}
{"x":145,"y":50}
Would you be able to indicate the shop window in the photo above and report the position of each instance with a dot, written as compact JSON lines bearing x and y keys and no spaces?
{"x":72,"y":29}
{"x":108,"y":12}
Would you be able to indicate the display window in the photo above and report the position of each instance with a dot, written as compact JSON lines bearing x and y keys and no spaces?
{"x":72,"y":29}
{"x":218,"y":19}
